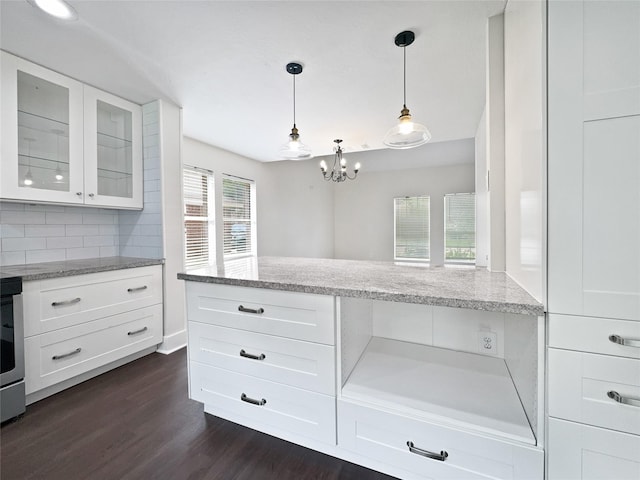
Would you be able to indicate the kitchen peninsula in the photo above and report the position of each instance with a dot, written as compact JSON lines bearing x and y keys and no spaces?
{"x":415,"y":371}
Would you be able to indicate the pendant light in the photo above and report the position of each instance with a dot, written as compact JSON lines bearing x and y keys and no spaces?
{"x":294,"y":149}
{"x":339,"y":171}
{"x":407,"y":134}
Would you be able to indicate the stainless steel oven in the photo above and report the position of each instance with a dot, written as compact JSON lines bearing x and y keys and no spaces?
{"x":12,"y":395}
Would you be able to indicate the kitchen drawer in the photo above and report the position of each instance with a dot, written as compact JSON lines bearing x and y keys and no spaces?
{"x":56,"y":356}
{"x":63,"y":302}
{"x":301,"y":316}
{"x":291,"y":409}
{"x":293,"y":362}
{"x":581,"y":386}
{"x":384,"y":436}
{"x":591,"y":334}
{"x":582,"y":452}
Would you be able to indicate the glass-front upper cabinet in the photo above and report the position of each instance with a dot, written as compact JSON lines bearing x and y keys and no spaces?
{"x":113,"y":150}
{"x":65,"y":142}
{"x":41,"y":134}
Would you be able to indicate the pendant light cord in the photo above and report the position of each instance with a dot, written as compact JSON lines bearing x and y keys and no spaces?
{"x":294,"y":100}
{"x":404,"y":73}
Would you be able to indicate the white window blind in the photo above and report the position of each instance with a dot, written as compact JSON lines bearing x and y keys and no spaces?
{"x":412,"y":240}
{"x":238,"y":215}
{"x":199,"y":227}
{"x":460,"y":227}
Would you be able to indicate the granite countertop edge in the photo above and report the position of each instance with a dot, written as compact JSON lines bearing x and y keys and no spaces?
{"x":68,"y":268}
{"x":441,"y":301}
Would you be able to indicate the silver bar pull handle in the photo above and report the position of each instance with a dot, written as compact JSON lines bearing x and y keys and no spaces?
{"x":442,"y":456}
{"x":633,"y":401}
{"x":65,"y":302}
{"x":260,"y":403}
{"x":65,"y":355}
{"x":136,"y":289}
{"x":627,"y":342}
{"x":244,"y":354}
{"x":259,"y":311}
{"x":135,"y":332}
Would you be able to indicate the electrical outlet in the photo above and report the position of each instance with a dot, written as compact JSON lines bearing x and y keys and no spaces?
{"x":488,"y":342}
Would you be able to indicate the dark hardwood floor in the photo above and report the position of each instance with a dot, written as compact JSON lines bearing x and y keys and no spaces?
{"x":136,"y":422}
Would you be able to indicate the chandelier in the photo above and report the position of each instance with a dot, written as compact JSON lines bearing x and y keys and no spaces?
{"x":338,"y":172}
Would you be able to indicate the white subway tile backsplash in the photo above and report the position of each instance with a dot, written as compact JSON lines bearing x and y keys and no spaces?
{"x":84,"y":252}
{"x":44,"y":208}
{"x":44,"y":231}
{"x":81,"y":230}
{"x":111,"y":251}
{"x":10,"y":206}
{"x":11,"y":231}
{"x":37,"y":256}
{"x":152,"y":185}
{"x":20,"y":217}
{"x":152,"y":174}
{"x":12,"y":258}
{"x":64,"y":242}
{"x":99,"y":241}
{"x":145,"y":241}
{"x":98,"y":219}
{"x":151,"y":140}
{"x":109,"y":229}
{"x":18,"y":244}
{"x":55,"y":218}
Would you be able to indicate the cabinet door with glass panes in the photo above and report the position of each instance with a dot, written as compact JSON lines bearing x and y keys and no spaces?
{"x":112,"y":150}
{"x":41,"y":134}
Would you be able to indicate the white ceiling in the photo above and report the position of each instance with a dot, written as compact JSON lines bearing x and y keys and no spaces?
{"x":224,"y":63}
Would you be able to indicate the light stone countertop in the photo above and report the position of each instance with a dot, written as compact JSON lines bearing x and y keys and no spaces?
{"x":67,"y":268}
{"x":450,"y":286}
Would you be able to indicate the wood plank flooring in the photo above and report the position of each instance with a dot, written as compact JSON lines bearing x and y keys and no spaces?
{"x":136,"y":422}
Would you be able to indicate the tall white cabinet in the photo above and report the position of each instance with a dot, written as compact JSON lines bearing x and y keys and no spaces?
{"x":594,"y":240}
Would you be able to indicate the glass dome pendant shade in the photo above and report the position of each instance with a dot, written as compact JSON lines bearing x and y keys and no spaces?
{"x":294,"y":149}
{"x":407,"y":133}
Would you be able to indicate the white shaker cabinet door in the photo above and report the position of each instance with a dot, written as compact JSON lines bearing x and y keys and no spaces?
{"x":582,"y":452}
{"x":594,"y":158}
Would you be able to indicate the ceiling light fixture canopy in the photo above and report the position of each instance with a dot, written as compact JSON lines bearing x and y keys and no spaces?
{"x":56,"y":8}
{"x":407,"y":133}
{"x":294,"y":149}
{"x":339,"y":171}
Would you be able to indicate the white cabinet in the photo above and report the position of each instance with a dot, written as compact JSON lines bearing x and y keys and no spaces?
{"x":317,"y":370}
{"x":594,"y":146}
{"x":593,"y":235}
{"x":591,"y":453}
{"x":65,"y":142}
{"x":78,"y":324}
{"x":264,"y":358}
{"x":113,"y":150}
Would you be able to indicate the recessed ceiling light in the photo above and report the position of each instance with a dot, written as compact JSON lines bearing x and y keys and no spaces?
{"x":56,"y":8}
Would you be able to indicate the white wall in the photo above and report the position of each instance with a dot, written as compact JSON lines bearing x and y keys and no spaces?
{"x":296,"y":211}
{"x":363,"y":209}
{"x":495,"y":142}
{"x":170,"y":133}
{"x":525,"y":144}
{"x":483,"y":240}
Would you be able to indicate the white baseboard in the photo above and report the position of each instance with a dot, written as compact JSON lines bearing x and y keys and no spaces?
{"x":173,"y":342}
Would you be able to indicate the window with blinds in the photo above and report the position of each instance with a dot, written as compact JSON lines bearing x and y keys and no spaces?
{"x":460,"y":228}
{"x":411,"y":233}
{"x":238,"y":216}
{"x":199,"y":226}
